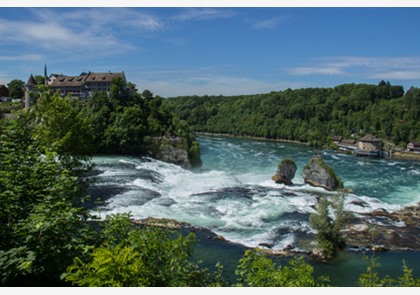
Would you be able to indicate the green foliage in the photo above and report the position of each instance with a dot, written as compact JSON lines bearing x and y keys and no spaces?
{"x":328,"y":229}
{"x":131,"y":123}
{"x":287,"y":161}
{"x":8,"y":107}
{"x":39,"y":79}
{"x":16,"y":88}
{"x":110,"y":267}
{"x":131,"y":256}
{"x":62,"y":125}
{"x":311,"y":115}
{"x":255,"y":269}
{"x":371,"y":277}
{"x":42,"y":223}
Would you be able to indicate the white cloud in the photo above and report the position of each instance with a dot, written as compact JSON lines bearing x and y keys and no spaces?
{"x":217,"y":80}
{"x":270,"y":23}
{"x":316,"y":70}
{"x":69,"y":33}
{"x":199,"y":14}
{"x":397,"y":75}
{"x":398,"y":68}
{"x":24,"y":57}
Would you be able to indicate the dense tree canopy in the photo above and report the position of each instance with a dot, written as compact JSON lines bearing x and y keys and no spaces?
{"x":42,"y":220}
{"x":135,"y":123}
{"x":311,"y":115}
{"x":16,"y":88}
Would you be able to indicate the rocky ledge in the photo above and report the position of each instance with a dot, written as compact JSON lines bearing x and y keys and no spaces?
{"x":381,"y":230}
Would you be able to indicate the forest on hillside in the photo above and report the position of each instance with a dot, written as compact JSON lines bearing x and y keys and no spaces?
{"x":311,"y":115}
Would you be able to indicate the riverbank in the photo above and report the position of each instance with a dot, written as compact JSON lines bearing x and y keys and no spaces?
{"x":397,"y":155}
{"x":226,"y":135}
{"x":400,"y":155}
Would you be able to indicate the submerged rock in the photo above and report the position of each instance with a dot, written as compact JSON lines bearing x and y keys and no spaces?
{"x":285,"y":172}
{"x":318,"y":173}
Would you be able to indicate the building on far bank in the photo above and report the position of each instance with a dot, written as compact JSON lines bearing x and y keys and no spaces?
{"x":414,"y":146}
{"x":369,"y":145}
{"x":347,"y":145}
{"x":82,"y":86}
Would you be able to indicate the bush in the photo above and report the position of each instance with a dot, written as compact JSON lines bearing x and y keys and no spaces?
{"x":256,"y":269}
{"x":329,"y":239}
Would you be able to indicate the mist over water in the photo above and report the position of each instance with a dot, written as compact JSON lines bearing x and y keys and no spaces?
{"x":234,"y":196}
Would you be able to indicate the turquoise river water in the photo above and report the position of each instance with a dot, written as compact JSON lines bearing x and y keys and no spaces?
{"x":233,"y":195}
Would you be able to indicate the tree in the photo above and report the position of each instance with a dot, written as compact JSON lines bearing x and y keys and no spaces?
{"x":256,"y":269}
{"x":16,"y":88}
{"x":62,"y":125}
{"x":329,"y":239}
{"x":118,"y":90}
{"x":126,"y":134}
{"x":39,"y":79}
{"x":42,"y":220}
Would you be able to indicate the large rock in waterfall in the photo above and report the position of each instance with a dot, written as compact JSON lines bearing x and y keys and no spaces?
{"x":318,"y":173}
{"x":285,"y":172}
{"x":172,"y":150}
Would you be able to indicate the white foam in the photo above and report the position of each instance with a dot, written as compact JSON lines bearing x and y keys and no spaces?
{"x":249,"y":219}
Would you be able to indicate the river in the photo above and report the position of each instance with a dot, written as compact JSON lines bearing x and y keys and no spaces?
{"x":233,"y":195}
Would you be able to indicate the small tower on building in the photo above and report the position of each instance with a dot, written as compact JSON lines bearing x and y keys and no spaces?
{"x":29,"y":87}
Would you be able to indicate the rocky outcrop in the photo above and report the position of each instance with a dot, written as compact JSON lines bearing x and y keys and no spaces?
{"x":318,"y":173}
{"x":285,"y":172}
{"x":381,"y":230}
{"x":172,"y":150}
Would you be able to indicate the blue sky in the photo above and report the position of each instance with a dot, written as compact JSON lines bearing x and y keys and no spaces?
{"x":229,"y":51}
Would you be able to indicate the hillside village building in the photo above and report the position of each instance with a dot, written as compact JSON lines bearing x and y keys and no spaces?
{"x":82,"y":86}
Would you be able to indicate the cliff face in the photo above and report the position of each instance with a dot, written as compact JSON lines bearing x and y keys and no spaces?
{"x":319,"y":174}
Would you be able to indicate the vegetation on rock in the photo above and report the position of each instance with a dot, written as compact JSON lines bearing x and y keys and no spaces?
{"x":319,"y":173}
{"x":286,"y":170}
{"x":329,"y":238}
{"x":136,"y":123}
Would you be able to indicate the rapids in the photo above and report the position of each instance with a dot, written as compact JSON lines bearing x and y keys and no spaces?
{"x":233,"y":195}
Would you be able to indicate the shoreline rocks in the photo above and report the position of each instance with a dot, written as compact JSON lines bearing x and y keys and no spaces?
{"x":381,"y":230}
{"x":361,"y":234}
